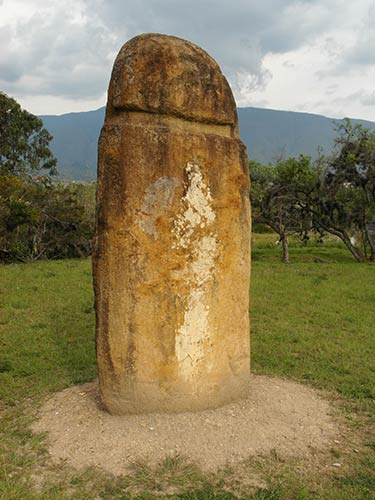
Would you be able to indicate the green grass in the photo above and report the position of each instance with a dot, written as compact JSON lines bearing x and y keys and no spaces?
{"x":311,"y":320}
{"x":47,"y":326}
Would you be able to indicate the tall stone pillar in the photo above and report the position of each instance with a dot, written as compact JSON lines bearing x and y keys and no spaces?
{"x":172,"y":256}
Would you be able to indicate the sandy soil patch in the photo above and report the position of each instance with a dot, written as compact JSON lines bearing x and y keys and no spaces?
{"x":278,"y":415}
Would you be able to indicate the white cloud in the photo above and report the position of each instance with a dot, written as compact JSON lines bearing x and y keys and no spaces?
{"x":288,"y":54}
{"x":362,"y":52}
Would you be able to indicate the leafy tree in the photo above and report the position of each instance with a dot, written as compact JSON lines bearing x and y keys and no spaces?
{"x":38,"y":218}
{"x":351,"y":174}
{"x":334,"y":209}
{"x":275,"y":197}
{"x":342,"y":202}
{"x":24,"y":143}
{"x":71,"y":213}
{"x":39,"y":221}
{"x":335,"y":195}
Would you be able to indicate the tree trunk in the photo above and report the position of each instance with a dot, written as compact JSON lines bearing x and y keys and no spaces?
{"x":283,"y":239}
{"x":371,"y":243}
{"x":356,"y":252}
{"x":284,"y":242}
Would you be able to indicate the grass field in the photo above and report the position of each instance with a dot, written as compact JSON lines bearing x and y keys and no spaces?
{"x":312,"y":321}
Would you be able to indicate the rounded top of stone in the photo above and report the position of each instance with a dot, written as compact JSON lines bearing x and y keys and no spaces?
{"x":168,"y":75}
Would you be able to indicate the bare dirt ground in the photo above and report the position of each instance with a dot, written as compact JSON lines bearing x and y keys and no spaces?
{"x":278,"y":416}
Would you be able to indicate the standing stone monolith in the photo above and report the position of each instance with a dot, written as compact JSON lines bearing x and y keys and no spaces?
{"x":172,"y":252}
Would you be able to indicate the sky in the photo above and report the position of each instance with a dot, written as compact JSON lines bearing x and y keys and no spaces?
{"x":314,"y":56}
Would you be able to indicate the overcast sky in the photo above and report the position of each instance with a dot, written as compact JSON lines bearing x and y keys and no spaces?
{"x":316,"y":56}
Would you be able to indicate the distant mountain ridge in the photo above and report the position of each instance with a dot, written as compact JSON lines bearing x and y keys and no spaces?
{"x":266,"y":133}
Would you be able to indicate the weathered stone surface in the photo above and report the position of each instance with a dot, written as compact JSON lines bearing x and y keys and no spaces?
{"x":172,"y":257}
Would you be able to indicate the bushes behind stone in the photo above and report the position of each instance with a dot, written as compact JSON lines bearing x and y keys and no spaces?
{"x":44,"y":220}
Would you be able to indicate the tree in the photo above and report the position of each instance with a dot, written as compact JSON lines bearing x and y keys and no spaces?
{"x":351,"y":172}
{"x":334,"y":195}
{"x":275,"y":197}
{"x":334,"y":209}
{"x":24,"y":143}
{"x":45,"y":221}
{"x":38,"y":218}
{"x":343,"y":200}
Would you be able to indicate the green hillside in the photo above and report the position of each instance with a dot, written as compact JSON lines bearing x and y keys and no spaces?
{"x":75,"y":141}
{"x":267,"y":134}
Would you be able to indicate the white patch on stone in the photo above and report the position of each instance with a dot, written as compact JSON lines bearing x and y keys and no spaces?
{"x":204,"y":259}
{"x":158,"y":197}
{"x":194,"y":333}
{"x":189,"y":348}
{"x":198,"y":210}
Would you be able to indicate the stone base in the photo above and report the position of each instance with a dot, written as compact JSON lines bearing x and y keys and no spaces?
{"x":173,"y":397}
